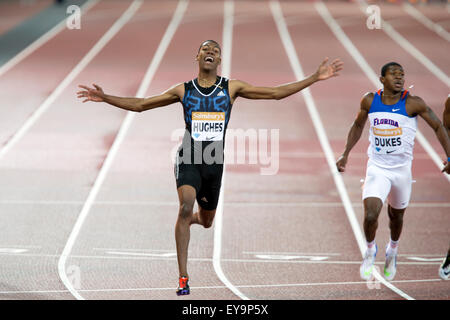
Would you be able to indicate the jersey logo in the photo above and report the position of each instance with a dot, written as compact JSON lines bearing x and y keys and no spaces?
{"x":389,"y":151}
{"x":395,"y":110}
{"x":221,"y":94}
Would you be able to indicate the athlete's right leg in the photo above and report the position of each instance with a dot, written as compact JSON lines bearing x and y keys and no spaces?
{"x":372,"y":209}
{"x":186,"y":196}
{"x":375,"y":190}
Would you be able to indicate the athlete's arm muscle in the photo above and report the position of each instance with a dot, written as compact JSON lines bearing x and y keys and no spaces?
{"x":355,"y":130}
{"x":242,"y":89}
{"x":96,"y":94}
{"x":446,"y":116}
{"x":416,"y":106}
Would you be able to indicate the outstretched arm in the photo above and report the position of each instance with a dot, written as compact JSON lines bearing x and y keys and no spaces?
{"x":245,"y":90}
{"x":355,"y":131}
{"x":446,"y":117}
{"x":96,"y":94}
{"x":419,"y":107}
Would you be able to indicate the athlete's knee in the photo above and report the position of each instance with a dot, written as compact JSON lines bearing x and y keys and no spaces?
{"x":372,"y":209}
{"x":207,"y":223}
{"x":371,"y":216}
{"x":186,"y":210}
{"x":395,"y":214}
{"x":207,"y":217}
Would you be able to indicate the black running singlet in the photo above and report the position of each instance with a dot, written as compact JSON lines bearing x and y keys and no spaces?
{"x":206,"y":115}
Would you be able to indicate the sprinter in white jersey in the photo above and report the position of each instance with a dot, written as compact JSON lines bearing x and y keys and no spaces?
{"x":444,"y":269}
{"x":392,"y":113}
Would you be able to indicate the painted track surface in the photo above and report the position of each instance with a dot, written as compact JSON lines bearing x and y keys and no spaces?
{"x":14,"y":12}
{"x":276,"y":228}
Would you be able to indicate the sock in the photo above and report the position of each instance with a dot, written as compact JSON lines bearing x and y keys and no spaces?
{"x":371,"y":246}
{"x":393,"y":246}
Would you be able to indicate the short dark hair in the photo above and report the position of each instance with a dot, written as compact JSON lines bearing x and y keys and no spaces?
{"x":213,"y":41}
{"x":387,"y":65}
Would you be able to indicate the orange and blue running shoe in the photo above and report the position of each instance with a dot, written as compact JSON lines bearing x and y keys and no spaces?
{"x":183,"y":287}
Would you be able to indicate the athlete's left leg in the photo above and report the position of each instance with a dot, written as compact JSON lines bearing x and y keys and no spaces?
{"x":399,"y":198}
{"x":395,"y":222}
{"x":398,"y":201}
{"x":203,"y":217}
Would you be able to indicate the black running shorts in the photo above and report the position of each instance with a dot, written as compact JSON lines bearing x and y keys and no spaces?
{"x":206,"y":179}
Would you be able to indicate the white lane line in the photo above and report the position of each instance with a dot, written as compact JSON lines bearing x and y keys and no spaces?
{"x":320,"y":130}
{"x":370,"y":73}
{"x":132,"y":249}
{"x":67,"y":80}
{"x":144,"y":254}
{"x":43,"y":39}
{"x":408,"y":47}
{"x":12,"y":250}
{"x":145,"y":257}
{"x":227,"y":39}
{"x":425,"y":259}
{"x":344,"y":283}
{"x":419,"y":16}
{"x":292,"y":253}
{"x":289,"y":257}
{"x":228,"y":204}
{"x":165,"y":41}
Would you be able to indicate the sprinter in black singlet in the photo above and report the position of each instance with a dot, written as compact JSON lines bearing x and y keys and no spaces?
{"x":207,"y":102}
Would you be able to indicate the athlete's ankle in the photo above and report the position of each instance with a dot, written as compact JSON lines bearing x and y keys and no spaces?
{"x":371,"y":246}
{"x":393,"y":246}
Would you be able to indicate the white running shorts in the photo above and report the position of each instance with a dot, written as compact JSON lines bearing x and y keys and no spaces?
{"x":393,"y":182}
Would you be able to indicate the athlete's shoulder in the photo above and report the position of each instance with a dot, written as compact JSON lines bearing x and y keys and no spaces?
{"x":415,"y":101}
{"x":366,"y":100}
{"x":415,"y":105}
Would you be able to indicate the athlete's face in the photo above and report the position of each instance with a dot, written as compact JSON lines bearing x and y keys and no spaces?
{"x":394,"y":79}
{"x":208,"y":56}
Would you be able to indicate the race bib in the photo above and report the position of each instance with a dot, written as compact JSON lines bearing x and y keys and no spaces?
{"x":208,"y":126}
{"x":387,"y":141}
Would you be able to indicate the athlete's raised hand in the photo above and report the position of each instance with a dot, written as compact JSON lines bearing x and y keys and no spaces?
{"x":326,"y":71}
{"x":95,"y":94}
{"x":340,"y":163}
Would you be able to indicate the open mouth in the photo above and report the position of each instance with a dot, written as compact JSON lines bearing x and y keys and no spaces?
{"x":209,"y":59}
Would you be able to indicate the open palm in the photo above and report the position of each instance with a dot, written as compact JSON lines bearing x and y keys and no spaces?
{"x":326,"y":71}
{"x":95,"y":94}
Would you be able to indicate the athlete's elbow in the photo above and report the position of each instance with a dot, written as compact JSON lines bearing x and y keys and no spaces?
{"x":277,"y":95}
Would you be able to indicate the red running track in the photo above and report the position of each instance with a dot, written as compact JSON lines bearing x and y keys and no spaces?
{"x":284,"y":236}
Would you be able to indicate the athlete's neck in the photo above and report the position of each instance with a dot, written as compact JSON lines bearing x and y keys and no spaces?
{"x":207,"y":78}
{"x":390,"y":96}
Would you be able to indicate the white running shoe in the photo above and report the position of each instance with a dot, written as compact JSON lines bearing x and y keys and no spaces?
{"x":366,"y":268}
{"x":444,"y":270}
{"x":390,"y":266}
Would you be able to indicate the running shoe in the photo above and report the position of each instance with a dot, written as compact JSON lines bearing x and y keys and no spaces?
{"x":444,"y":269}
{"x":390,"y":266}
{"x":183,"y":287}
{"x":366,"y":268}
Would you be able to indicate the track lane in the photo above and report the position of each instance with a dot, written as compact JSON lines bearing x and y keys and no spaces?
{"x":430,"y":186}
{"x":143,"y":171}
{"x":65,"y":149}
{"x":277,"y":228}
